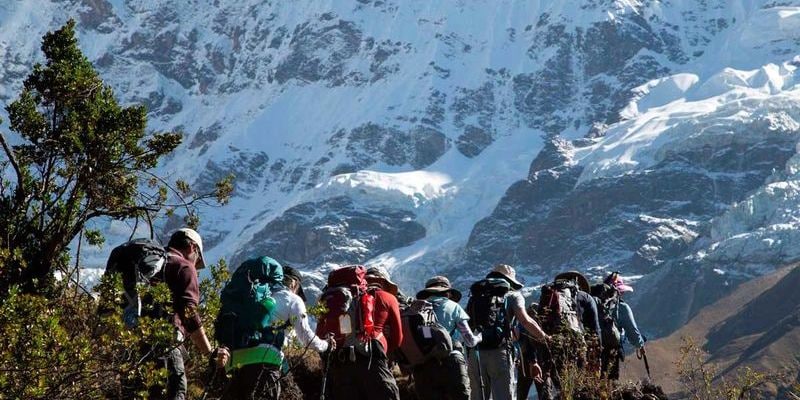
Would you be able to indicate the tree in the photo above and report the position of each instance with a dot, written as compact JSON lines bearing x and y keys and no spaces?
{"x":82,"y":157}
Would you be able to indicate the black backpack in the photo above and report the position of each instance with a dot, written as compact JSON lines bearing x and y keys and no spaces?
{"x":423,"y":337}
{"x":607,"y":309}
{"x":139,"y":261}
{"x":558,"y":307}
{"x":487,"y":312}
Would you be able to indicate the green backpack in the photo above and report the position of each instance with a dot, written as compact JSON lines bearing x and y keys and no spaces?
{"x":246,"y":315}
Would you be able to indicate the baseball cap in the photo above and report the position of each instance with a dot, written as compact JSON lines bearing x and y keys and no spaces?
{"x":192,"y":235}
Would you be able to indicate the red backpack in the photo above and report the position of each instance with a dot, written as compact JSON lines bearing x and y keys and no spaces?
{"x":349,"y":315}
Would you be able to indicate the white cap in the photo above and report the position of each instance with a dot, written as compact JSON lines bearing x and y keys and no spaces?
{"x":192,"y":235}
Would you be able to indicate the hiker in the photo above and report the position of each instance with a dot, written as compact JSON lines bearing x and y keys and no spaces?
{"x":494,"y":304}
{"x":617,"y":322}
{"x":366,"y":326}
{"x":447,"y":378}
{"x":184,"y":258}
{"x":568,"y":310}
{"x":387,"y":309}
{"x":259,"y":304}
{"x":586,"y":305}
{"x":529,"y":369}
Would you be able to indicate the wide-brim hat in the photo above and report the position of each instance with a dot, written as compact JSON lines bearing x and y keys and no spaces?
{"x":507,"y":272}
{"x":192,"y":235}
{"x":295,"y":274}
{"x":439,"y":285}
{"x":377,"y":275}
{"x":583,"y":283}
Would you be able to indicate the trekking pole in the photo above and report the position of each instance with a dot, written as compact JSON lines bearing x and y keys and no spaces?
{"x":325,"y":375}
{"x":480,"y":372}
{"x":643,"y":357}
{"x":213,"y":371}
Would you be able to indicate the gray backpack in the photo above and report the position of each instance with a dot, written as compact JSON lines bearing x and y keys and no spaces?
{"x":558,"y":307}
{"x":423,"y":337}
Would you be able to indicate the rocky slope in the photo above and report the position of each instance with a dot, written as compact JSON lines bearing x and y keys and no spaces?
{"x":656,"y":138}
{"x":755,"y":326}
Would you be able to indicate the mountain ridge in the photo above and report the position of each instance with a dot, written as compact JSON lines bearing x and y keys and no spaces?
{"x":657,"y":138}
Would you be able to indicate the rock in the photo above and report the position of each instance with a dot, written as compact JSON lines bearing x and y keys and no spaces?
{"x":334,"y":230}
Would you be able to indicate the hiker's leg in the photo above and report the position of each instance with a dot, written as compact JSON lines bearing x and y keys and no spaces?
{"x":524,"y":384}
{"x":176,"y":375}
{"x":476,"y":369}
{"x":500,"y":366}
{"x":380,"y":364}
{"x":268,"y":385}
{"x":613,"y":370}
{"x":425,"y":381}
{"x":610,"y":361}
{"x":255,"y":381}
{"x":546,"y":390}
{"x":456,"y":376}
{"x":380,"y":381}
{"x":342,"y":378}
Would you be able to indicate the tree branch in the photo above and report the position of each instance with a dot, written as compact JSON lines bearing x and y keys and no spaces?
{"x":13,"y":160}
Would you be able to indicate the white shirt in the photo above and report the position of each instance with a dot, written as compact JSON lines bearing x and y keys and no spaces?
{"x":290,"y":308}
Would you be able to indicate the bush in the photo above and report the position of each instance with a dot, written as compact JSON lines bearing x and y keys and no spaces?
{"x":701,"y":380}
{"x":75,"y":346}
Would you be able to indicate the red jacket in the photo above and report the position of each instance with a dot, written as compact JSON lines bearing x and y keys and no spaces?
{"x":387,"y":320}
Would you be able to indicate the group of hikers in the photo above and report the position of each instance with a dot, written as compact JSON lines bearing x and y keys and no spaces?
{"x":495,"y":347}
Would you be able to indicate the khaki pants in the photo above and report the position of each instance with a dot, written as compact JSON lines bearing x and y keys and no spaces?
{"x":497,"y":369}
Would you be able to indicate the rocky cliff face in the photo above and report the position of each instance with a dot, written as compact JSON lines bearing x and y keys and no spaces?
{"x":656,"y":138}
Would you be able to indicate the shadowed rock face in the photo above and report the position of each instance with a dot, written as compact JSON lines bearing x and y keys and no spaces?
{"x":638,"y":223}
{"x":333,"y":230}
{"x":372,"y":143}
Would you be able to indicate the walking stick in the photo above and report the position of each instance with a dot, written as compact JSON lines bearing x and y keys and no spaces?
{"x":643,"y":357}
{"x":480,"y":372}
{"x":212,"y":372}
{"x":325,"y":376}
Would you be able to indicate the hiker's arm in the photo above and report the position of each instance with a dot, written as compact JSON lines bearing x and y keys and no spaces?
{"x":470,"y":339}
{"x":187,"y":310}
{"x":303,"y":331}
{"x":529,"y":324}
{"x":592,"y":317}
{"x":628,"y":324}
{"x":200,"y":340}
{"x":395,"y":325}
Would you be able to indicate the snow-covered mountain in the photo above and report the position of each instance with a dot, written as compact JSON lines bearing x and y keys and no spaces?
{"x":657,"y":138}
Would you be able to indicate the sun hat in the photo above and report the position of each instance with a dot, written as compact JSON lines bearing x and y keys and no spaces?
{"x":507,"y":272}
{"x":583,"y":283}
{"x":378,"y":276}
{"x":438,"y":285}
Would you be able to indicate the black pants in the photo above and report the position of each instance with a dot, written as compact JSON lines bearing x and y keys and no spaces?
{"x":610,"y":359}
{"x":254,"y":382}
{"x":446,"y":379}
{"x":368,"y":377}
{"x":545,"y":390}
